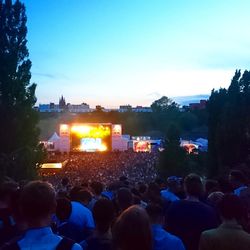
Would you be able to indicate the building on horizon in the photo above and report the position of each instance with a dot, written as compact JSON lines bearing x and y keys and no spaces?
{"x":198,"y":106}
{"x":137,"y":109}
{"x":78,"y":108}
{"x":85,"y":108}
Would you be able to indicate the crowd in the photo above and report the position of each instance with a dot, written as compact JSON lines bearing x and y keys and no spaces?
{"x":105,"y":167}
{"x":129,"y":212}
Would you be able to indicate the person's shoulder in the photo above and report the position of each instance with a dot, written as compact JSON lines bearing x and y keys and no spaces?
{"x":80,"y":207}
{"x":210,"y":233}
{"x":76,"y":247}
{"x":175,"y":241}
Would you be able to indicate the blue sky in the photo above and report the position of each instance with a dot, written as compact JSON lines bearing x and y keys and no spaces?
{"x":113,"y":52}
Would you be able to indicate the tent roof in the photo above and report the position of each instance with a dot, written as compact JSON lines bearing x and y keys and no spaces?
{"x":54,"y":137}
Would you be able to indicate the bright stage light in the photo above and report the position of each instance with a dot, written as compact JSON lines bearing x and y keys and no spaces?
{"x":90,"y":131}
{"x":103,"y":148}
{"x":64,"y":127}
{"x":51,"y":166}
{"x":81,"y":130}
{"x":91,"y":137}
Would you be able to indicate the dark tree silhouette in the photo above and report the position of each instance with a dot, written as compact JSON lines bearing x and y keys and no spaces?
{"x":19,"y":134}
{"x":229,"y":126}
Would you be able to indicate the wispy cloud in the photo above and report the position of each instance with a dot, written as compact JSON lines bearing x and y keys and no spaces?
{"x":44,"y":75}
{"x":154,"y":95}
{"x":51,"y":76}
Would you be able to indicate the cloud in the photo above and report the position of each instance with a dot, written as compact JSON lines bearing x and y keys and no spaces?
{"x":154,"y":95}
{"x":51,"y":76}
{"x":44,"y":75}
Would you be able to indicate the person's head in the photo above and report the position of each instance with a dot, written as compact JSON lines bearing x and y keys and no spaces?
{"x":103,"y":213}
{"x":231,"y":207}
{"x":74,"y":192}
{"x":154,"y":191}
{"x":215,"y":198}
{"x":38,"y":203}
{"x":132,"y":230}
{"x":124,"y":198}
{"x":63,"y":209}
{"x":237,"y":178}
{"x":65,"y":181}
{"x":156,"y":213}
{"x":97,"y":188}
{"x":160,"y":182}
{"x":174,"y":184}
{"x":193,"y":185}
{"x":83,"y":196}
{"x":142,"y":188}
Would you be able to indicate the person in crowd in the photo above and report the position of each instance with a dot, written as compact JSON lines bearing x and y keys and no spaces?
{"x":214,"y":198}
{"x":162,"y":240}
{"x":97,"y":189}
{"x":142,"y":188}
{"x":154,"y":193}
{"x":188,"y":218}
{"x":229,"y":235}
{"x":132,"y":230}
{"x":65,"y":185}
{"x":84,"y":197}
{"x":37,"y":204}
{"x":238,"y":181}
{"x":101,"y":239}
{"x":64,"y":227}
{"x":124,"y":199}
{"x":173,"y":187}
{"x":81,"y":217}
{"x":9,"y":226}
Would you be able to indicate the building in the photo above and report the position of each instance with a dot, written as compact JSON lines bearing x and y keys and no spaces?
{"x":78,"y":108}
{"x":140,"y":109}
{"x":198,"y":106}
{"x":137,"y":109}
{"x":50,"y":108}
{"x":125,"y":108}
{"x":62,"y":106}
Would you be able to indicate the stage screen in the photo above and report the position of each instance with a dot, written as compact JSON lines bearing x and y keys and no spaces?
{"x":142,"y":146}
{"x":91,"y":137}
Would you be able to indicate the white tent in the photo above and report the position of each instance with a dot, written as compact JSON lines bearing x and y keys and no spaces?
{"x":54,"y":138}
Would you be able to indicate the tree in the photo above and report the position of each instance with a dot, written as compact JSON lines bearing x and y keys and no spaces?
{"x":19,"y":133}
{"x":164,"y":104}
{"x":173,"y":159}
{"x":229,"y":123}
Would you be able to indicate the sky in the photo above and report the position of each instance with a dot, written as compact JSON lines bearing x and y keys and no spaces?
{"x":116,"y":52}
